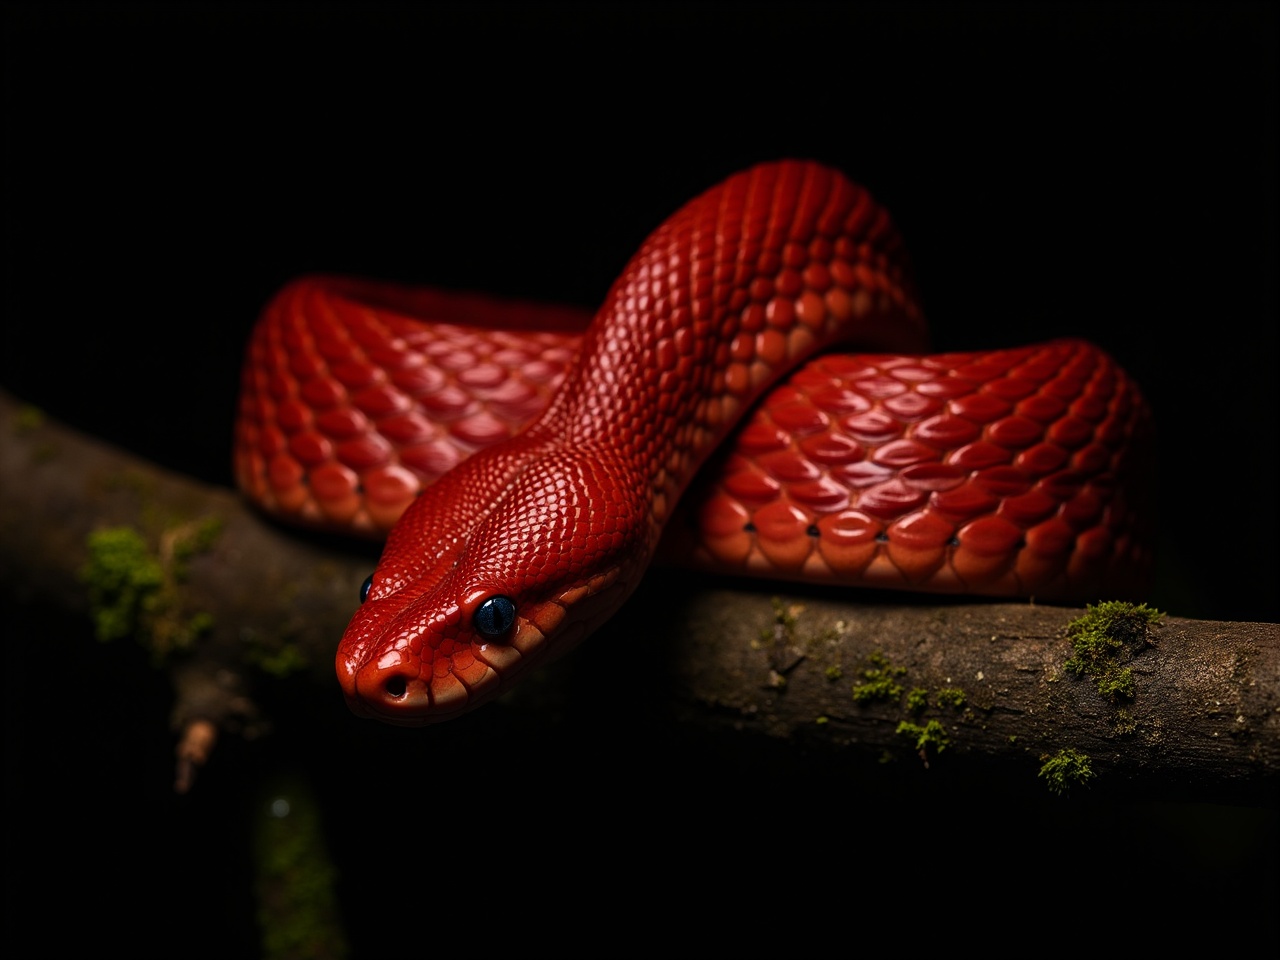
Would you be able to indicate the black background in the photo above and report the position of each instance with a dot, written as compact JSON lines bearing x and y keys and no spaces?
{"x":1105,"y":171}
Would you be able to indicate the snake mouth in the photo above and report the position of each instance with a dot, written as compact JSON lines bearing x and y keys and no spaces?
{"x":395,"y":691}
{"x":406,"y":710}
{"x":395,"y":696}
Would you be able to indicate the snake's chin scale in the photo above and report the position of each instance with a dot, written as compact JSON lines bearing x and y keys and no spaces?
{"x":502,"y":657}
{"x":419,"y":702}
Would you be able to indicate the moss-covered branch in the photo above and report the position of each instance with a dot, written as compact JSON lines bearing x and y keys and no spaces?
{"x":1039,"y":698}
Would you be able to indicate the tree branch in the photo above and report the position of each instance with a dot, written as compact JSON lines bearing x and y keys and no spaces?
{"x":966,"y":691}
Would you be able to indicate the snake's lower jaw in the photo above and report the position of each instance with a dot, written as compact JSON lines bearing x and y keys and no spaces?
{"x":392,"y":688}
{"x":378,"y":694}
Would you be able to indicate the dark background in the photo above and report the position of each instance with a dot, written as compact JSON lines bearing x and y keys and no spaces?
{"x":1099,"y":171}
{"x":1105,"y":171}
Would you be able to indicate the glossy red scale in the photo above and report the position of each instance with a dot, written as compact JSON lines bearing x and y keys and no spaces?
{"x":364,"y":453}
{"x":946,"y":431}
{"x":1041,"y":408}
{"x":979,"y":455}
{"x":933,"y":476}
{"x":874,"y":426}
{"x":304,"y":365}
{"x":1028,"y":508}
{"x":311,"y":449}
{"x":964,"y":502}
{"x":333,"y":485}
{"x":480,"y":429}
{"x":838,"y":400}
{"x":381,"y":401}
{"x":1014,"y":432}
{"x":1041,"y":459}
{"x":801,"y":419}
{"x":831,"y":449}
{"x":788,"y":466}
{"x":447,"y":403}
{"x":946,"y":387}
{"x":1002,"y":481}
{"x":1011,"y":389}
{"x":293,"y":416}
{"x":923,"y":531}
{"x":403,"y":429}
{"x":980,"y":407}
{"x":864,"y":474}
{"x":822,"y":495}
{"x":1070,"y":432}
{"x":904,"y":453}
{"x":419,"y":381}
{"x":912,"y":406}
{"x":321,"y":394}
{"x":431,"y":460}
{"x":341,"y":424}
{"x":891,"y":499}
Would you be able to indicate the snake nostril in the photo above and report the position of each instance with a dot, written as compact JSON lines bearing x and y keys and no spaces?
{"x":393,"y":692}
{"x":395,"y":687}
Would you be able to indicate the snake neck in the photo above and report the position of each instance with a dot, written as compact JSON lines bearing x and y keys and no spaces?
{"x":728,"y":295}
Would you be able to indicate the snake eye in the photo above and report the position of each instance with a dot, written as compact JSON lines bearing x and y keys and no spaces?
{"x":366,"y":587}
{"x":494,"y":617}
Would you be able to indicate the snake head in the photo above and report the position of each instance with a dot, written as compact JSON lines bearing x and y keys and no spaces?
{"x":451,"y":619}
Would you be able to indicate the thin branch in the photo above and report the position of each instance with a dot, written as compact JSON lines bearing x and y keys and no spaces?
{"x":974,"y":692}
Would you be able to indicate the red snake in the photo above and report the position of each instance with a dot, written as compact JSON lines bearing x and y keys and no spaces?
{"x":1002,"y":473}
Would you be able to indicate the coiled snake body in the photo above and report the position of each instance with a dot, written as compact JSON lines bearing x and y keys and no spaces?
{"x":1002,"y":473}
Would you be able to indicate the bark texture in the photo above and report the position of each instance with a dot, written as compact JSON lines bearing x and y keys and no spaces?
{"x":978,"y":692}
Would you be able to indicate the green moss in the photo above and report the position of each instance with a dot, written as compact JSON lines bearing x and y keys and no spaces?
{"x":193,"y":539}
{"x":1124,"y":722}
{"x":124,"y":580}
{"x":950,"y":697}
{"x":932,"y":736}
{"x":295,"y":884}
{"x":280,"y":661}
{"x":135,"y":590}
{"x":881,"y":680}
{"x":879,"y":688}
{"x":833,"y":673}
{"x":784,"y":622}
{"x":1117,"y":685}
{"x":1107,"y":635}
{"x":1066,"y":769}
